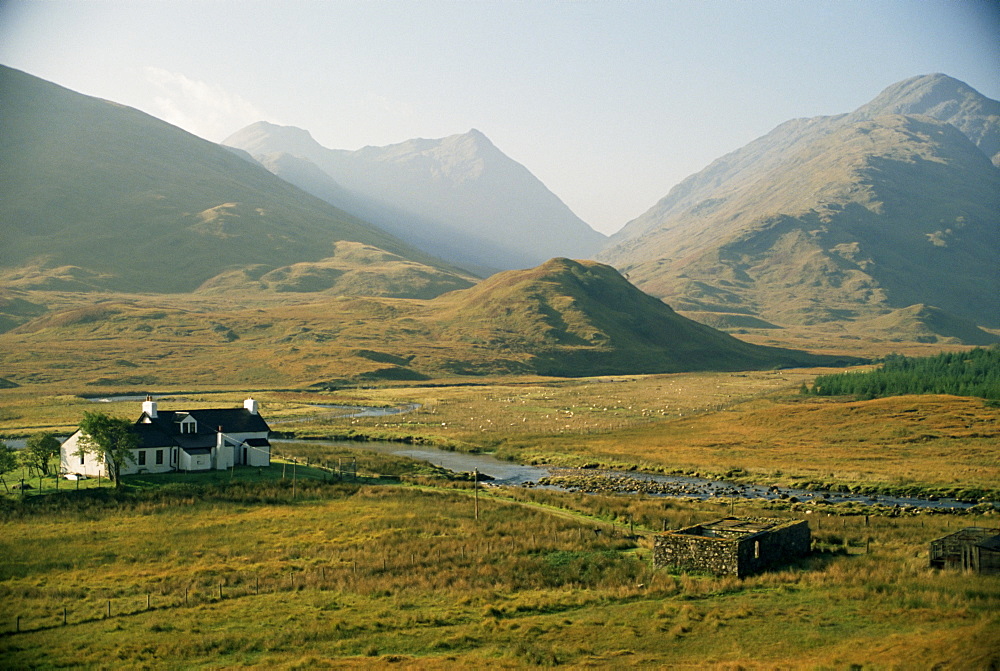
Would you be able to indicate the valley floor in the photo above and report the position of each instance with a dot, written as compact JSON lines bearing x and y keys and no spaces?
{"x":254,"y":568}
{"x":367,"y":575}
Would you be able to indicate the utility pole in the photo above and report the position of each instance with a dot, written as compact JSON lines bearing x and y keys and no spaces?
{"x":475,"y":488}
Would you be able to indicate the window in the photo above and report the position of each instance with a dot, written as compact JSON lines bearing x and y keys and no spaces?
{"x":159,"y":457}
{"x":82,"y":457}
{"x":142,"y":457}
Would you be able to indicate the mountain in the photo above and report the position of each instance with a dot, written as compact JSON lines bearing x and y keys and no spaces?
{"x":458,"y":197}
{"x":101,"y":196}
{"x":837,"y":218}
{"x":584,"y":318}
{"x":946,"y":99}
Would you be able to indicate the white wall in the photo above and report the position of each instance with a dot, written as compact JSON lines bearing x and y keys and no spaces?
{"x":69,"y":462}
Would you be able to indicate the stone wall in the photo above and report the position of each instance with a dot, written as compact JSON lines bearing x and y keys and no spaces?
{"x":696,"y":553}
{"x":733,"y":546}
{"x":774,"y":547}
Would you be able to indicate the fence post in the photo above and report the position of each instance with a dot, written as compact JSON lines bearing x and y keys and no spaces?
{"x":17,"y":627}
{"x":64,"y":615}
{"x":109,"y":607}
{"x":147,"y":600}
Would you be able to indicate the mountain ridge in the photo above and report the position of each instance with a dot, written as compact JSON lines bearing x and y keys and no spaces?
{"x":107,"y":197}
{"x":887,"y":210}
{"x":441,"y":194}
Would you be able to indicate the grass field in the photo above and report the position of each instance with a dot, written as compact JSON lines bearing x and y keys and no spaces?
{"x":290,"y":567}
{"x":362,"y":575}
{"x":754,"y":425}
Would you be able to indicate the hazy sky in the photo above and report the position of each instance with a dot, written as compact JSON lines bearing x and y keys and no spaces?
{"x":610,"y":103}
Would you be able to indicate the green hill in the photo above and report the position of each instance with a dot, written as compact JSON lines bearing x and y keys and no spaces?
{"x":101,"y":196}
{"x":584,"y":318}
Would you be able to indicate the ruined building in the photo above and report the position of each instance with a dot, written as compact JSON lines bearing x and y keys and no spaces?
{"x":974,"y":549}
{"x":735,"y":546}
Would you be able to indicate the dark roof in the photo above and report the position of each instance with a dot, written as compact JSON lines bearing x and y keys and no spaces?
{"x":990,"y":543}
{"x":164,"y":429}
{"x":197,"y":450}
{"x":257,"y":442}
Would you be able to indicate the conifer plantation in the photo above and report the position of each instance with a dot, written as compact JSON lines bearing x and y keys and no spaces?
{"x":972,"y":373}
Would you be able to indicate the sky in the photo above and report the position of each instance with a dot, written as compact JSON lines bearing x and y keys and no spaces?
{"x":610,"y":103}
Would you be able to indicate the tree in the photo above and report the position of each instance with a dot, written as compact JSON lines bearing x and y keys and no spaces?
{"x":38,"y":452}
{"x":110,"y":439}
{"x":8,"y":462}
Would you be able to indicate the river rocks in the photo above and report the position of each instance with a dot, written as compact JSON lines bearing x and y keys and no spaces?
{"x":616,"y":483}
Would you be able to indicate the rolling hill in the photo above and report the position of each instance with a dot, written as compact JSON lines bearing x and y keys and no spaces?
{"x":837,"y":218}
{"x":458,"y":197}
{"x":563,"y":318}
{"x":584,"y":318}
{"x":101,"y":196}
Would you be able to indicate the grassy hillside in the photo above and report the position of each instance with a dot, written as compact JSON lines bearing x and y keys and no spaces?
{"x":564,"y":318}
{"x":584,"y":318}
{"x":837,"y":219}
{"x":875,"y":216}
{"x":98,"y":195}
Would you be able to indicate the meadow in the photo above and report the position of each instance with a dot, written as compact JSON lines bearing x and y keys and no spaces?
{"x":357,"y":574}
{"x":296,"y":567}
{"x":752,"y":426}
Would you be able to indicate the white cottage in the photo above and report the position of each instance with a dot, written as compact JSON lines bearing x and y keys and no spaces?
{"x":192,"y":440}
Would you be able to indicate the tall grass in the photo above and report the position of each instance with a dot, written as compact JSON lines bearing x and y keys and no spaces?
{"x":370,"y":574}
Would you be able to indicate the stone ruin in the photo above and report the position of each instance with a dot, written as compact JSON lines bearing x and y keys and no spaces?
{"x":737,"y":546}
{"x":975,"y":549}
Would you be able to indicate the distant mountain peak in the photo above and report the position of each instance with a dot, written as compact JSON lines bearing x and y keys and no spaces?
{"x":459,"y":197}
{"x":946,"y":99}
{"x":838,"y":217}
{"x":256,"y":137}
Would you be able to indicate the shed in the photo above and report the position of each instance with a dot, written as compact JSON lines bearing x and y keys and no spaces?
{"x":974,"y":549}
{"x":735,"y":546}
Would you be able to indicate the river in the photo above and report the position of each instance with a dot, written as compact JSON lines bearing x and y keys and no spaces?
{"x":587,"y":480}
{"x":594,"y":481}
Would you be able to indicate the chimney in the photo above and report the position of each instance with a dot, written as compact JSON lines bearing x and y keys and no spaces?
{"x":149,"y":407}
{"x":250,"y":405}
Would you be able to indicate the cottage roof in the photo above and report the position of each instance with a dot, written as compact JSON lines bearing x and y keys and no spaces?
{"x":164,"y":429}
